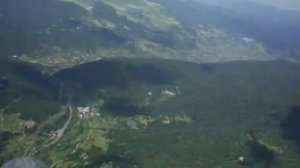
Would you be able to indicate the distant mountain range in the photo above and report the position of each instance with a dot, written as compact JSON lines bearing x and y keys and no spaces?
{"x":275,"y":27}
{"x":63,"y":33}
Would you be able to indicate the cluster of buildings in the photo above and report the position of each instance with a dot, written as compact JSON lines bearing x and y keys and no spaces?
{"x":28,"y":124}
{"x":171,"y":92}
{"x":87,"y":112}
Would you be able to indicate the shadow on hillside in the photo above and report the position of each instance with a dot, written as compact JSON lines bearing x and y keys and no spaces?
{"x":291,"y":125}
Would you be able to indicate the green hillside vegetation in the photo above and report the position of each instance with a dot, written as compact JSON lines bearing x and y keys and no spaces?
{"x":27,"y":91}
{"x":158,"y":113}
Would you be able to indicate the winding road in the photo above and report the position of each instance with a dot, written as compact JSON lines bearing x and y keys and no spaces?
{"x":60,"y":132}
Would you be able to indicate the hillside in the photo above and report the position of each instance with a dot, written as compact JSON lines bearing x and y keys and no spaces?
{"x":64,"y":33}
{"x":156,"y":113}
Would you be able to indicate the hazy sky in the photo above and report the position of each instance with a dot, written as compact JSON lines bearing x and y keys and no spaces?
{"x":281,"y":4}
